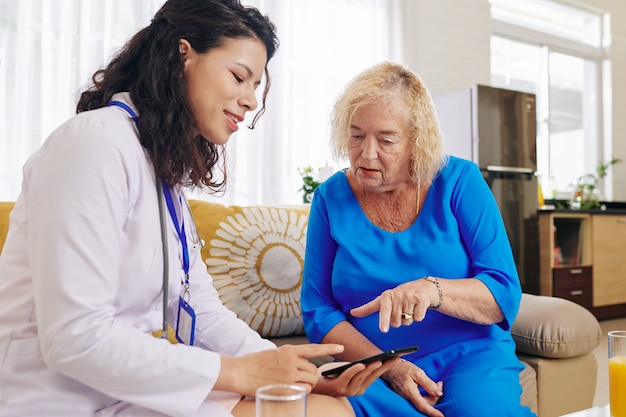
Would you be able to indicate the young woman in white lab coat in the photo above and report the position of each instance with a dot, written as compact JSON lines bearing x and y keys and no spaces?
{"x":81,"y":272}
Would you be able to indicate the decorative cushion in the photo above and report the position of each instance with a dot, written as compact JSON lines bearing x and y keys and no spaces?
{"x":255,"y":255}
{"x":553,"y":327}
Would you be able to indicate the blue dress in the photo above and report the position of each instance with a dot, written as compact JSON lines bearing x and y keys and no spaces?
{"x":459,"y":233}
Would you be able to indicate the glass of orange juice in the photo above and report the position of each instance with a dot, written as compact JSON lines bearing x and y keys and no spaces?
{"x":617,"y":373}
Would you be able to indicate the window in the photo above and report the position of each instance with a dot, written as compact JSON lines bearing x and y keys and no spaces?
{"x":309,"y":71}
{"x":554,"y":51}
{"x":52,"y":47}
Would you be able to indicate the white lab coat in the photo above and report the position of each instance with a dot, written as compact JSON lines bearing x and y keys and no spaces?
{"x":81,"y":287}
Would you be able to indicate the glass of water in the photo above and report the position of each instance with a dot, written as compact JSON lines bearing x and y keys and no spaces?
{"x":282,"y":400}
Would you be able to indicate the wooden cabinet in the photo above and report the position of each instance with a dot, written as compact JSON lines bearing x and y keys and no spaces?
{"x":609,"y":259}
{"x":574,"y":283}
{"x":583,"y":259}
{"x":565,"y":243}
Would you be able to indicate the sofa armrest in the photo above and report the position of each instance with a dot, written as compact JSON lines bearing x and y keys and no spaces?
{"x":563,"y":385}
{"x":552,"y":327}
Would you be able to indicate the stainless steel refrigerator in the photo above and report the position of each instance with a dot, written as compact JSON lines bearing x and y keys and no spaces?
{"x":496,"y":128}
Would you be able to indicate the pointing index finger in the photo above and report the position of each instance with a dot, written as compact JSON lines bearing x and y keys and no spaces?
{"x":381,"y":304}
{"x":385,"y":314}
{"x":367,"y":308}
{"x":313,"y":350}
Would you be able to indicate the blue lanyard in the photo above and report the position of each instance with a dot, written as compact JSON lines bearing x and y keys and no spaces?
{"x":128,"y":109}
{"x":180,"y":228}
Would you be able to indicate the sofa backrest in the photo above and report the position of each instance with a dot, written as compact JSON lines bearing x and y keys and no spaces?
{"x":5,"y":211}
{"x":255,"y":255}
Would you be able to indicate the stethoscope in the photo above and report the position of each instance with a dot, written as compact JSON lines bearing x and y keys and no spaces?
{"x":163,"y":223}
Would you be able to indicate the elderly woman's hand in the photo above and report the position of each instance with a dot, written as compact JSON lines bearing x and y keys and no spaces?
{"x":399,"y":306}
{"x":405,"y":378}
{"x":354,"y":380}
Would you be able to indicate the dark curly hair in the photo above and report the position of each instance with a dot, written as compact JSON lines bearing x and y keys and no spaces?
{"x":150,"y":68}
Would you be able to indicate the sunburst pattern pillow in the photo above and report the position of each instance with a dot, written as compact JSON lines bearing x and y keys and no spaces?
{"x":255,"y":255}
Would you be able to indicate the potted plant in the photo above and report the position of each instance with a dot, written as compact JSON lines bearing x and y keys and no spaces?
{"x":309,"y":184}
{"x":585,"y":194}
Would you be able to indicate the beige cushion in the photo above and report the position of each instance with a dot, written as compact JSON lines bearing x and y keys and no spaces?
{"x":255,"y":255}
{"x":553,"y":327}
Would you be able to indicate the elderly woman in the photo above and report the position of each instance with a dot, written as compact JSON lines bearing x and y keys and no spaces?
{"x":416,"y":237}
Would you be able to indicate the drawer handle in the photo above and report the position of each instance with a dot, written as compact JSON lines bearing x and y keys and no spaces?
{"x":576,"y":271}
{"x":576,"y":292}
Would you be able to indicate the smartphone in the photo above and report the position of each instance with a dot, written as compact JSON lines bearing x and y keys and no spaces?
{"x":378,"y":357}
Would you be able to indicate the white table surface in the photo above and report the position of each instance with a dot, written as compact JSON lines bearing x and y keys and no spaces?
{"x":591,"y":412}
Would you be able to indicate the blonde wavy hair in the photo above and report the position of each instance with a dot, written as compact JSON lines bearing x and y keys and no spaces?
{"x":378,"y":84}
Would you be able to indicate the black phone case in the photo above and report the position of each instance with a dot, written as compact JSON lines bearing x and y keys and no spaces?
{"x":378,"y":357}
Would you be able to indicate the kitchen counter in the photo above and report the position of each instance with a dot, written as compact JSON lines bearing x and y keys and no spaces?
{"x":553,"y":209}
{"x":606,"y":207}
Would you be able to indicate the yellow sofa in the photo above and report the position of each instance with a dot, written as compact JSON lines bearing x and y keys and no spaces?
{"x":255,"y":256}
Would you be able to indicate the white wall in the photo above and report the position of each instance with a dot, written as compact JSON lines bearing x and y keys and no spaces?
{"x":617,"y":96}
{"x":451,"y":51}
{"x":450,"y":46}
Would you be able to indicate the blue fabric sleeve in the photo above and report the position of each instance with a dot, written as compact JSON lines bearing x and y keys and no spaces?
{"x":483,"y":232}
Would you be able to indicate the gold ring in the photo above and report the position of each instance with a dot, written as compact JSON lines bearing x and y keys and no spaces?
{"x":406,"y":316}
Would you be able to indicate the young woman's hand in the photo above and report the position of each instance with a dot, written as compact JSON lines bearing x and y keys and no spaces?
{"x":287,"y":364}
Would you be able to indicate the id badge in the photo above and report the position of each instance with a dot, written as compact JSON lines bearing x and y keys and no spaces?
{"x":185,"y":323}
